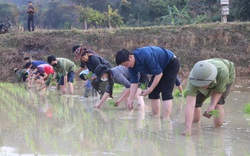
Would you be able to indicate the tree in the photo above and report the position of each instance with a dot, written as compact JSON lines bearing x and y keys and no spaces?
{"x":125,"y":10}
{"x":112,"y":18}
{"x":88,"y":16}
{"x":176,"y":16}
{"x":240,"y":10}
{"x":9,"y":13}
{"x":156,"y":8}
{"x":58,"y":14}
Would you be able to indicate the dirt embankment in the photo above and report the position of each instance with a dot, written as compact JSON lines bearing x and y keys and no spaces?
{"x":190,"y":43}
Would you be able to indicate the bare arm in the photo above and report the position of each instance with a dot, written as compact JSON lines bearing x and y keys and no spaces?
{"x":54,"y":76}
{"x":124,"y":95}
{"x":215,"y":97}
{"x":156,"y":80}
{"x":189,"y":114}
{"x":65,"y":79}
{"x":79,"y":70}
{"x":102,"y":101}
{"x":133,"y":90}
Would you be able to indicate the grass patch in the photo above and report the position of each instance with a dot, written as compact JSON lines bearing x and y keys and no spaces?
{"x":247,"y":108}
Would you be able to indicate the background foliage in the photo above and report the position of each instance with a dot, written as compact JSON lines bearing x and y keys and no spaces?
{"x":84,"y":14}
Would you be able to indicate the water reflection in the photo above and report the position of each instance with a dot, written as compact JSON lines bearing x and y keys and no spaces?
{"x":48,"y":123}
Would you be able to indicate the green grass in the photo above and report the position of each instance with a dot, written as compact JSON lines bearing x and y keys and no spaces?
{"x":247,"y":108}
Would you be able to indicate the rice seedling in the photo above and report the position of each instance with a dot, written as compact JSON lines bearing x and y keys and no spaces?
{"x":214,"y":113}
{"x":53,"y":83}
{"x":143,"y":86}
{"x":116,"y":85}
{"x":184,"y":93}
{"x":89,"y":75}
{"x":111,"y":102}
{"x":176,"y":93}
{"x":247,"y":108}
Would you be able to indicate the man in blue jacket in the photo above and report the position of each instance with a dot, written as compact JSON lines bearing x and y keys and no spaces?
{"x":162,"y":64}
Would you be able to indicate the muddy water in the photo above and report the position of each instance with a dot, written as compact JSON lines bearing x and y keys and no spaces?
{"x":47,"y":123}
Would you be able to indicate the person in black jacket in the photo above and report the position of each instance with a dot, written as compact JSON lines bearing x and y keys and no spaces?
{"x":91,"y":61}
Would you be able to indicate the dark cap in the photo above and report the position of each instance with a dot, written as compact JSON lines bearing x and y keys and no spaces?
{"x":27,"y":65}
{"x":33,"y":67}
{"x":29,"y":2}
{"x":100,"y":70}
{"x":26,"y":58}
{"x":75,"y":47}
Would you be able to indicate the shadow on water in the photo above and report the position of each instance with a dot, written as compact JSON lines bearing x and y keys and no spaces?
{"x":48,"y":123}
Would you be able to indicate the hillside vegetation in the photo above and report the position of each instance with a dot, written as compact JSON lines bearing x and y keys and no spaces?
{"x":190,"y":43}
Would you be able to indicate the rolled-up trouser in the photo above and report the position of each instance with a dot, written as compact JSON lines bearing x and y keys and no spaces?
{"x":167,"y":82}
{"x":200,"y":98}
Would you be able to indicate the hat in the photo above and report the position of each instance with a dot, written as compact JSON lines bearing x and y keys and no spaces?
{"x":75,"y":47}
{"x":100,"y":70}
{"x":48,"y":70}
{"x":27,"y":65}
{"x":15,"y":70}
{"x":26,"y":58}
{"x":33,"y":67}
{"x":203,"y":73}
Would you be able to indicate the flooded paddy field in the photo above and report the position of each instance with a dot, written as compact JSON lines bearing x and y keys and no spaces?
{"x":48,"y":123}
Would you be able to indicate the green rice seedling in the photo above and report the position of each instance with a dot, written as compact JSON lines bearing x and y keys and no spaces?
{"x":143,"y":86}
{"x":88,"y":76}
{"x":116,"y":85}
{"x":53,"y":83}
{"x":247,"y":108}
{"x":184,"y":93}
{"x":214,"y":113}
{"x":118,"y":88}
{"x":111,"y":102}
{"x":176,"y":93}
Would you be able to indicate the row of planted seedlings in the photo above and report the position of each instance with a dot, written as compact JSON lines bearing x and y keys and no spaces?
{"x":87,"y":126}
{"x":18,"y":112}
{"x":70,"y":123}
{"x":90,"y":129}
{"x":95,"y":130}
{"x":132,"y":137}
{"x":24,"y":113}
{"x":136,"y":136}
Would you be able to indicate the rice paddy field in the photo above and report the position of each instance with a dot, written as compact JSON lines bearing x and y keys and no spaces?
{"x":49,"y":123}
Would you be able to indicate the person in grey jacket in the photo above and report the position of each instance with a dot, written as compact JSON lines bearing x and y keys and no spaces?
{"x":120,"y":75}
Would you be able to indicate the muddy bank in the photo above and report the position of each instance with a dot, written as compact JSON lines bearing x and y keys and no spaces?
{"x":190,"y":43}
